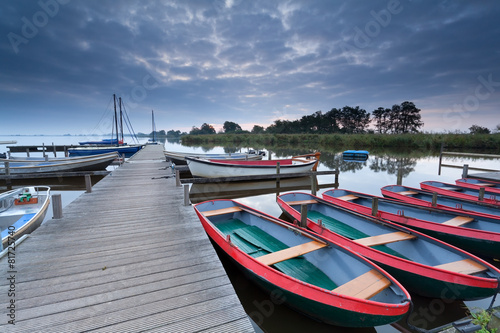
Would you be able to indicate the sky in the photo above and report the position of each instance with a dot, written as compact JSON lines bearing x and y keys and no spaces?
{"x":248,"y":62}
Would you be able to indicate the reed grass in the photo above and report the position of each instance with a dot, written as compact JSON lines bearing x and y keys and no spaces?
{"x":420,"y":141}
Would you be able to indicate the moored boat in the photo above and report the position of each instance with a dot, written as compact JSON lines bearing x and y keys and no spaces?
{"x":355,"y":155}
{"x":22,"y":211}
{"x":473,"y":233}
{"x":475,"y":183}
{"x":228,"y":168}
{"x":424,"y":265}
{"x":180,"y":157}
{"x":127,"y":150}
{"x":429,"y":199}
{"x":33,"y":166}
{"x":460,"y":192}
{"x":316,"y":277}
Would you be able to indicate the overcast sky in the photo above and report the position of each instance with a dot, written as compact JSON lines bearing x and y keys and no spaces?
{"x":247,"y":61}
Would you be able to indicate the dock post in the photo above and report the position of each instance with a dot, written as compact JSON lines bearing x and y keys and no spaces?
{"x":7,"y":168}
{"x":337,"y":176}
{"x":314,"y":182}
{"x":186,"y":195}
{"x":434,"y":199}
{"x":440,"y":158}
{"x":481,"y":194}
{"x":88,"y":183}
{"x":54,"y":149}
{"x":177,"y":178}
{"x":303,"y":216}
{"x":57,"y":211}
{"x":27,"y":152}
{"x":374,"y":206}
{"x":465,"y":171}
{"x":43,"y":148}
{"x":278,"y":172}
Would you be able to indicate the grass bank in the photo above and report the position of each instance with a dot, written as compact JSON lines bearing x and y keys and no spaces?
{"x":466,"y":142}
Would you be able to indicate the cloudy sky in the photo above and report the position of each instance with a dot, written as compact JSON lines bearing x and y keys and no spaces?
{"x":250,"y":62}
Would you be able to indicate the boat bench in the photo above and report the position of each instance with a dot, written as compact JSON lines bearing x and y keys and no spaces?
{"x":364,"y":286}
{"x":384,"y":238}
{"x":291,"y":252}
{"x":407,"y":192}
{"x":458,"y":221}
{"x":221,"y":211}
{"x":466,"y":266}
{"x":302,"y":202}
{"x":348,"y":197}
{"x":484,"y":184}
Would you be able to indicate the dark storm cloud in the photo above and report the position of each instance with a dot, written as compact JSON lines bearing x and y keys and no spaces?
{"x":250,"y":61}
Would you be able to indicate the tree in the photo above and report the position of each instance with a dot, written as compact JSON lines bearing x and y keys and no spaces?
{"x":354,"y":120}
{"x":476,"y":129}
{"x":230,"y":127}
{"x":405,"y":118}
{"x":381,"y":117}
{"x":258,"y":129}
{"x":205,"y":129}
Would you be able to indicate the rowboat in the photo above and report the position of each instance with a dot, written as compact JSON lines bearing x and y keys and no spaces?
{"x":489,"y":186}
{"x":22,"y":211}
{"x":355,"y":155}
{"x":475,"y":234}
{"x":228,"y":168}
{"x":460,"y":192}
{"x":424,"y":265}
{"x":103,"y":142}
{"x":425,"y":198}
{"x":180,"y":157}
{"x":314,"y":276}
{"x":91,"y":163}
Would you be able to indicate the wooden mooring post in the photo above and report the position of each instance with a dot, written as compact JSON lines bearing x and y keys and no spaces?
{"x":57,"y":211}
{"x":88,"y":183}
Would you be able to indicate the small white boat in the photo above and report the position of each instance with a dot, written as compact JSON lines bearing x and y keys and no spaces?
{"x":30,"y":166}
{"x":22,"y":211}
{"x":180,"y":157}
{"x":229,"y":168}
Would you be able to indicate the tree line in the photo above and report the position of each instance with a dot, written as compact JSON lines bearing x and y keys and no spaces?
{"x":403,"y":118}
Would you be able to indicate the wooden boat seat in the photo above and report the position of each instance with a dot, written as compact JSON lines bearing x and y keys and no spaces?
{"x":385,"y":238}
{"x":291,"y":252}
{"x":364,"y":286}
{"x":407,"y":192}
{"x":221,"y":211}
{"x":458,"y":221}
{"x":466,"y":266}
{"x":484,"y":184}
{"x":302,"y":202}
{"x":348,"y":197}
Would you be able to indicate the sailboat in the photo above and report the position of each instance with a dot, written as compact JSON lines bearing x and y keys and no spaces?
{"x":116,"y":145}
{"x":153,"y":141}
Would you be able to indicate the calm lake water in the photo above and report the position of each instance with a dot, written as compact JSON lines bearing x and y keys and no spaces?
{"x":382,"y":168}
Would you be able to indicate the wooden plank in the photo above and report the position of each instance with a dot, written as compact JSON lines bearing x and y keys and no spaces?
{"x":348,"y":197}
{"x":364,"y":286}
{"x":291,"y":252}
{"x":221,"y":211}
{"x":407,"y":192}
{"x":302,"y":202}
{"x":459,"y":221}
{"x":385,"y":238}
{"x":466,"y":266}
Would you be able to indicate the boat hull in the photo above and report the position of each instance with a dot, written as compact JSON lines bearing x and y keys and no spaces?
{"x":460,"y":192}
{"x":122,"y":150}
{"x":180,"y":158}
{"x":22,"y":219}
{"x":94,"y":163}
{"x":489,"y":186}
{"x":481,"y":236}
{"x":317,"y":303}
{"x":409,"y":271}
{"x":215,"y":169}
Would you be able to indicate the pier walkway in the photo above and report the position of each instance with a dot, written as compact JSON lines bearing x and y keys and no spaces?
{"x":128,"y":257}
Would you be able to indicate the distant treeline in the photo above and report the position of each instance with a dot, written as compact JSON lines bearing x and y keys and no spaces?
{"x":353,"y":141}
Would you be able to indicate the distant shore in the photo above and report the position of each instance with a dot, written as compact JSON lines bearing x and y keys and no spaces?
{"x":489,"y":142}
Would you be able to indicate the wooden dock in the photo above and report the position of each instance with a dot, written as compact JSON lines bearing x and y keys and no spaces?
{"x":127,"y":257}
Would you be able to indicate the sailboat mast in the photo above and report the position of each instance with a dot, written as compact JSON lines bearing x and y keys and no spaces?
{"x":153,"y":124}
{"x":121,"y":120}
{"x":116,"y":119}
